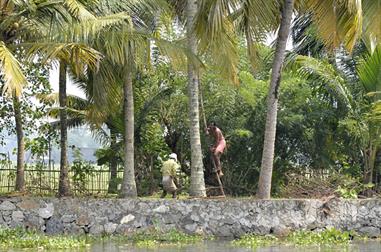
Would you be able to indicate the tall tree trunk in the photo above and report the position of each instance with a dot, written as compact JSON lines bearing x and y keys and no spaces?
{"x":20,"y":178}
{"x":64,"y":185}
{"x":197,"y":187}
{"x":129,"y":184}
{"x":264,"y":184}
{"x":112,"y":186}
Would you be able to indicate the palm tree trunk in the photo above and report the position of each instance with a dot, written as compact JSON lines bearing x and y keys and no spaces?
{"x":129,"y":184}
{"x":112,"y":186}
{"x":197,"y":187}
{"x":20,"y":178}
{"x":370,"y":161}
{"x":64,"y":186}
{"x":264,"y":183}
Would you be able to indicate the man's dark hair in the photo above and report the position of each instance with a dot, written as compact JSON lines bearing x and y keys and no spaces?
{"x":213,"y":124}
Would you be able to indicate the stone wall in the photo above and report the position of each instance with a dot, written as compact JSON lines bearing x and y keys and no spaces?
{"x":225,"y":218}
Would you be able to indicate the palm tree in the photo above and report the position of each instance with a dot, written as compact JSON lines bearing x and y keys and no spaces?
{"x":63,"y":185}
{"x":264,"y":183}
{"x":219,"y":21}
{"x":128,"y":47}
{"x":197,"y":187}
{"x":129,"y":183}
{"x":202,"y":38}
{"x":369,"y":72}
{"x":20,"y":180}
{"x":73,"y":54}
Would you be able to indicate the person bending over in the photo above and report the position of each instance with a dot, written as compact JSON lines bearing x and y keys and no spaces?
{"x":169,"y":172}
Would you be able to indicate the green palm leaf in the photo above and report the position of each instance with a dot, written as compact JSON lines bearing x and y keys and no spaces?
{"x":78,"y":10}
{"x":369,"y":71}
{"x":372,"y":21}
{"x":10,"y":69}
{"x":326,"y":74}
{"x":78,"y":55}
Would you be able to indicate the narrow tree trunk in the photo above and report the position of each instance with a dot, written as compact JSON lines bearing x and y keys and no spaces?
{"x":370,"y":161}
{"x":64,"y":186}
{"x":20,"y":178}
{"x":129,"y":184}
{"x":112,"y":186}
{"x":264,"y":184}
{"x":197,"y":187}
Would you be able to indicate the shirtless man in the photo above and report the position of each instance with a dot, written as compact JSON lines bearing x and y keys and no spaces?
{"x":218,"y":147}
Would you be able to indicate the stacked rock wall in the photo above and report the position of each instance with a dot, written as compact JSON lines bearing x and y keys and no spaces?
{"x":224,"y":218}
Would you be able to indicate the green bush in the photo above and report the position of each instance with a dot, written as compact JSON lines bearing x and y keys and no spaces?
{"x":328,"y":236}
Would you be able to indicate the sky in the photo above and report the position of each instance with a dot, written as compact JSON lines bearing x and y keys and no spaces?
{"x":71,"y":89}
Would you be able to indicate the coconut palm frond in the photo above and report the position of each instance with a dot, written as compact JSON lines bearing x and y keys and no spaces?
{"x":100,"y":135}
{"x":216,"y":32}
{"x":337,"y":21}
{"x":324,"y":73}
{"x":370,"y":74}
{"x":78,"y":10}
{"x":305,"y":37}
{"x":14,"y":78}
{"x":87,"y":30}
{"x":372,"y":21}
{"x":78,"y":55}
{"x":71,"y":112}
{"x":258,"y":17}
{"x":148,"y":105}
{"x":71,"y":123}
{"x":52,"y":98}
{"x":178,"y":53}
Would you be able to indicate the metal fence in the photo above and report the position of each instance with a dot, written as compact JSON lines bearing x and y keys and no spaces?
{"x":45,"y":181}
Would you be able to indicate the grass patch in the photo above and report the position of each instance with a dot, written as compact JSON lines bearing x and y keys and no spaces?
{"x":329,"y":236}
{"x":19,"y":238}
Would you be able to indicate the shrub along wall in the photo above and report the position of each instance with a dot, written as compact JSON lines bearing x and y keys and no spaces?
{"x":225,"y":218}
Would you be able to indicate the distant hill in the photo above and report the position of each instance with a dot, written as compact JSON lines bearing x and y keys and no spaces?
{"x":79,"y":137}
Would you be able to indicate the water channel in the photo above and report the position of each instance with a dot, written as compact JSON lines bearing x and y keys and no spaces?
{"x":221,"y":246}
{"x":225,"y":246}
{"x":215,"y":246}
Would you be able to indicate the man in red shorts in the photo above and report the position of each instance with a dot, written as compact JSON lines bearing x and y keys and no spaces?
{"x":218,"y":147}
